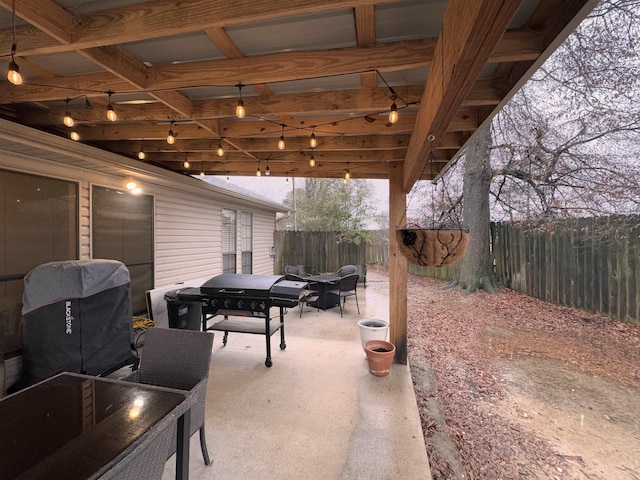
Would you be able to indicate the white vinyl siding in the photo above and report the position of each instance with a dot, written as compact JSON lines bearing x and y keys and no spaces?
{"x":187,"y":221}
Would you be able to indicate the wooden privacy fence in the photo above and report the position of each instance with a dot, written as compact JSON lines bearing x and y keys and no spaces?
{"x":589,"y":263}
{"x":322,"y":251}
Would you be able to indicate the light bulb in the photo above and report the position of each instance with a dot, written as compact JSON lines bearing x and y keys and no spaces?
{"x":220,"y":150}
{"x":312,"y":161}
{"x":267,"y":172}
{"x":75,"y":136}
{"x":313,"y":142}
{"x":202,"y":173}
{"x":281,"y":143}
{"x":240,"y":109}
{"x":170,"y":138}
{"x":393,"y":114}
{"x":141,"y":155}
{"x":186,"y":164}
{"x":258,"y":172}
{"x":13,"y":75}
{"x":131,"y":185}
{"x":68,"y":121}
{"x":111,"y":114}
{"x":347,"y":175}
{"x":228,"y":179}
{"x":286,"y":181}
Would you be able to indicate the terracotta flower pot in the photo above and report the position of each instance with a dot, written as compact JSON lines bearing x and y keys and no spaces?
{"x":379,"y":356}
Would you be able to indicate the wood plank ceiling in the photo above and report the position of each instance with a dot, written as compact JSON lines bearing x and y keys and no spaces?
{"x":331,"y":68}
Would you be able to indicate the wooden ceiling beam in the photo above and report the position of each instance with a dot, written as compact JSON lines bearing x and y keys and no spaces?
{"x":161,"y":18}
{"x":363,"y":156}
{"x":463,"y":121}
{"x":266,"y":145}
{"x":53,"y":21}
{"x":470,"y":33}
{"x":365,"y":23}
{"x":259,"y":70}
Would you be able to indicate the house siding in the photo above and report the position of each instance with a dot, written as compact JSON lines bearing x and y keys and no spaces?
{"x":186,"y":224}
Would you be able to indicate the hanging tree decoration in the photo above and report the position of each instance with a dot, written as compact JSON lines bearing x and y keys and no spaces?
{"x":438,"y":244}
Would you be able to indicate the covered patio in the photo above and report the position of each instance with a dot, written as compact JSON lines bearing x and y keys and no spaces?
{"x":317,"y":413}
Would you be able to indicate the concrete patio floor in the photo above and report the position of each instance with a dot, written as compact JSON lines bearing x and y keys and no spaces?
{"x":317,"y":413}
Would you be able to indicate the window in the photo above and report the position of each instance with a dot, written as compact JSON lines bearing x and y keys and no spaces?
{"x":247,"y":242}
{"x":39,"y":218}
{"x":122,"y":229}
{"x":229,"y":227}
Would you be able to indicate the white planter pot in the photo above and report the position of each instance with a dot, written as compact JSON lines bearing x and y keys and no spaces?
{"x":372,"y":329}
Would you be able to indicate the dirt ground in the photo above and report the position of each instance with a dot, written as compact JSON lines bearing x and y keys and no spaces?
{"x":510,"y":387}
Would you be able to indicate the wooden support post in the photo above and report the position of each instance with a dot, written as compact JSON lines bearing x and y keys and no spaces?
{"x":397,"y":265}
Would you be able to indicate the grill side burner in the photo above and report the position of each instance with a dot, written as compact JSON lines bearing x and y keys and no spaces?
{"x":248,"y":296}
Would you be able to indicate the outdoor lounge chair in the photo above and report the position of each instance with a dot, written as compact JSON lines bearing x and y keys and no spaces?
{"x":179,"y":359}
{"x":346,"y":270}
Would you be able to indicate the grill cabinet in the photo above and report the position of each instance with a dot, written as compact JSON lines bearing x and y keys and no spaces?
{"x":245,"y":301}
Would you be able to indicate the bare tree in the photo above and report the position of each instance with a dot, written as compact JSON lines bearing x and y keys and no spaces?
{"x":565,"y":146}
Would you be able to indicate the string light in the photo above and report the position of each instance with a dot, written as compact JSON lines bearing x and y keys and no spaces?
{"x":393,"y":114}
{"x":13,"y":75}
{"x":286,"y":181}
{"x":267,"y":172}
{"x":313,"y":141}
{"x":201,"y":170}
{"x":171,"y":139}
{"x":312,"y":160}
{"x":347,"y":174}
{"x":141,"y":153}
{"x":186,"y":163}
{"x":75,"y":136}
{"x":220,"y":149}
{"x":111,"y":113}
{"x":240,"y":112}
{"x":258,"y":172}
{"x":281,"y":144}
{"x":68,"y":121}
{"x":228,"y":179}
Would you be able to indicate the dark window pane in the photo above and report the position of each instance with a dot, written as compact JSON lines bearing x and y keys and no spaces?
{"x":247,"y":262}
{"x":122,"y":229}
{"x":228,"y":263}
{"x":39,"y":218}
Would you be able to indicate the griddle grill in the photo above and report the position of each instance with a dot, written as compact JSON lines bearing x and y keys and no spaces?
{"x":247,"y":296}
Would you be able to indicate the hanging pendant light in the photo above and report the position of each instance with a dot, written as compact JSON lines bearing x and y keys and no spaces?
{"x":68,"y":120}
{"x":312,"y":160}
{"x":240,"y":112}
{"x":281,"y":144}
{"x":141,"y":153}
{"x":171,"y":139}
{"x":111,"y":113}
{"x":186,"y":163}
{"x":313,"y":141}
{"x":220,"y":149}
{"x":393,"y":114}
{"x":267,"y":172}
{"x":258,"y":172}
{"x":13,"y":74}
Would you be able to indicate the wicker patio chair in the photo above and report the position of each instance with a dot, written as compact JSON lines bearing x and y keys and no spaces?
{"x":146,"y":461}
{"x":346,"y":287}
{"x":179,"y":359}
{"x":345,"y":270}
{"x":308,"y":295}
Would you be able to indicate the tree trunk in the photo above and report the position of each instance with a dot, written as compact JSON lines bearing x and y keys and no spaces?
{"x":476,"y":268}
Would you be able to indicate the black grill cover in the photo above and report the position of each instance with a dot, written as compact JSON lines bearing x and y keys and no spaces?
{"x":77,"y":318}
